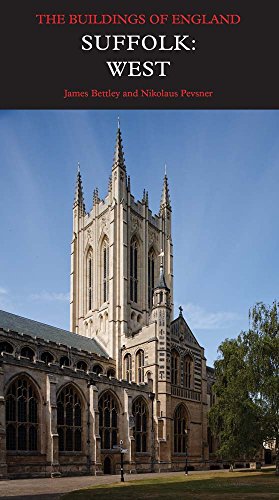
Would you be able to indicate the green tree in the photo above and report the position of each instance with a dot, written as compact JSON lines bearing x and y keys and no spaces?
{"x":247,"y":387}
{"x":261,"y":344}
{"x":235,"y":418}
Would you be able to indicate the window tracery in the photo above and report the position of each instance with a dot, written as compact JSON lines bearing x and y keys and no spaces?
{"x":69,"y":419}
{"x":108,"y":421}
{"x":139,"y":410}
{"x":22,"y":421}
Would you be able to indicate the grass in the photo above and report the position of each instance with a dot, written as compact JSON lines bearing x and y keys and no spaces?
{"x":228,"y":486}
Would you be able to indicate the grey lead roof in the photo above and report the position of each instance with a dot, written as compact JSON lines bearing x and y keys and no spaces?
{"x":33,"y":328}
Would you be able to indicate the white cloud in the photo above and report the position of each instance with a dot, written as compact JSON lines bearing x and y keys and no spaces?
{"x":5,"y":299}
{"x":198,"y":318}
{"x":50,"y":296}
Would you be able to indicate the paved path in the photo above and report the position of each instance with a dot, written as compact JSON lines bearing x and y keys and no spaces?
{"x":53,"y":488}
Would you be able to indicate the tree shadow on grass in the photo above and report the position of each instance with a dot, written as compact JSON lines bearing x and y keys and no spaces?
{"x":260,"y":486}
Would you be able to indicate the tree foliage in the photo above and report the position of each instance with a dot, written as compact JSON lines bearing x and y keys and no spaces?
{"x":262,"y":358}
{"x":247,"y":387}
{"x":235,"y":417}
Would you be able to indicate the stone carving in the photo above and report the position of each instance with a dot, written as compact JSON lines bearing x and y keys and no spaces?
{"x":153,"y":238}
{"x":89,"y":234}
{"x":136,"y":224}
{"x":104,"y":225}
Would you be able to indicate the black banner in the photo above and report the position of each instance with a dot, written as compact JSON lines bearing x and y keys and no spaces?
{"x":148,"y":54}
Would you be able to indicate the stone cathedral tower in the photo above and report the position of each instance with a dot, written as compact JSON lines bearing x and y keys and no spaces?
{"x":114,"y":260}
{"x":128,"y":370}
{"x":122,"y":298}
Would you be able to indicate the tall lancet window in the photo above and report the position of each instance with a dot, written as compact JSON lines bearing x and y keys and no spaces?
{"x":151,"y":277}
{"x":175,"y":362}
{"x":90,"y":280}
{"x":128,"y":367}
{"x":105,"y":265}
{"x":134,"y":270}
{"x":188,"y":372}
{"x":140,"y":366}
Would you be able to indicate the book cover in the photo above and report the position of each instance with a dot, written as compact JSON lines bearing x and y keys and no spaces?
{"x":138,"y":321}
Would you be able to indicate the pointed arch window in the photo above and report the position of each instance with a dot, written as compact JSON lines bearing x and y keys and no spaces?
{"x":139,"y":410}
{"x":134,"y":250}
{"x":188,"y":363}
{"x":108,"y":421}
{"x":89,"y":278}
{"x":180,"y":429}
{"x":175,"y":361}
{"x":128,"y":367}
{"x":69,"y":420}
{"x":22,"y":421}
{"x":140,"y":366}
{"x":151,"y":277}
{"x":105,"y":267}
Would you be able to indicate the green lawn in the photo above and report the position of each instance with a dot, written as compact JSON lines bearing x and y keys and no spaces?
{"x":225,"y":485}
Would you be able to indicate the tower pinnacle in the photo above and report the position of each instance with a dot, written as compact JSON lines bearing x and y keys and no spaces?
{"x":165,"y":198}
{"x":162,"y":281}
{"x":79,"y":200}
{"x":118,"y":160}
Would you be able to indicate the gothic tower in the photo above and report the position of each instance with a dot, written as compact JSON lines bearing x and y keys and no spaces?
{"x":114,"y":259}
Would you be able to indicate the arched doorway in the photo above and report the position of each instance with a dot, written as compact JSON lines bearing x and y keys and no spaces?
{"x":107,"y":466}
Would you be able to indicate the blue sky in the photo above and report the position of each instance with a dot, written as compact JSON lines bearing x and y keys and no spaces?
{"x":223,"y":169}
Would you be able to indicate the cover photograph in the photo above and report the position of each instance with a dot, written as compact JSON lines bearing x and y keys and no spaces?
{"x":139,"y":328}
